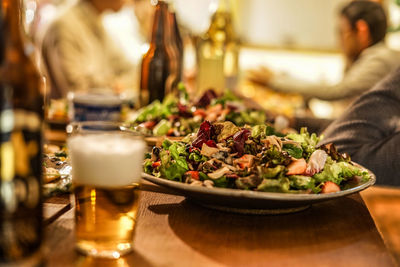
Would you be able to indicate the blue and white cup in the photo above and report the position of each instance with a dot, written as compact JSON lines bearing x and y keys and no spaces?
{"x":96,"y":107}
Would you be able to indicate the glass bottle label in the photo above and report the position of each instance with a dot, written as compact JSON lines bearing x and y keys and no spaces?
{"x":20,"y":184}
{"x":20,"y":159}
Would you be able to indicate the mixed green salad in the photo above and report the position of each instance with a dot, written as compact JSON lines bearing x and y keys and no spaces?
{"x":257,"y":158}
{"x":178,"y":116}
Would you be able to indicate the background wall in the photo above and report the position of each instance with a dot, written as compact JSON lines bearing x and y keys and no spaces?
{"x":306,"y":24}
{"x":300,"y":24}
{"x":289,"y":23}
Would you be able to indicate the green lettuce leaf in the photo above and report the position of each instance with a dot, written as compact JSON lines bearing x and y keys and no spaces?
{"x":251,"y":117}
{"x":178,"y":153}
{"x":263,"y":130}
{"x":173,"y":166}
{"x":149,"y":112}
{"x":228,"y":96}
{"x":203,"y":176}
{"x":162,"y":128}
{"x":157,"y":110}
{"x":337,"y":172}
{"x":166,"y":143}
{"x":183,"y":94}
{"x":301,"y":182}
{"x":294,"y":151}
{"x":196,"y":156}
{"x":270,"y":172}
{"x":273,"y":155}
{"x":308,"y":142}
{"x":165,"y":157}
{"x":222,"y":182}
{"x":173,"y":172}
{"x":258,"y":131}
{"x":275,"y":185}
{"x":147,"y":166}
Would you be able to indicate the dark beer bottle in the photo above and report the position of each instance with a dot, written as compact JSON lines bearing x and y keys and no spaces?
{"x":21,"y":113}
{"x":159,"y":73}
{"x":174,"y":56}
{"x":176,"y":39}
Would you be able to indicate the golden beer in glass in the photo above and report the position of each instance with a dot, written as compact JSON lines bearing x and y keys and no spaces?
{"x":106,"y":166}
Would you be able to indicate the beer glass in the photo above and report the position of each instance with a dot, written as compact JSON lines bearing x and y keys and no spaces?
{"x":106,"y":161}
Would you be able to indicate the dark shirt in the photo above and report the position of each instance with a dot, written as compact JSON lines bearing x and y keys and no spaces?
{"x":369,"y":131}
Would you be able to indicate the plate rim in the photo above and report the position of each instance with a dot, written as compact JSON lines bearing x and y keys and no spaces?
{"x":289,"y":197}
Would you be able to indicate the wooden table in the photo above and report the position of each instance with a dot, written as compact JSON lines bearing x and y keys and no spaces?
{"x":384,"y":206}
{"x":171,"y":231}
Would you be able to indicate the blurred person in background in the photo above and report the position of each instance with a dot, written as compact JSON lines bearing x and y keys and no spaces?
{"x":369,"y":131}
{"x":144,"y":12}
{"x":81,"y":56}
{"x":362,"y":30}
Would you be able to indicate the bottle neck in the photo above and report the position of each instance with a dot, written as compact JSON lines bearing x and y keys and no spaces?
{"x":11,"y":17}
{"x":157,"y":36}
{"x":15,"y":62}
{"x":176,"y":32}
{"x":223,"y":6}
{"x":221,"y":30}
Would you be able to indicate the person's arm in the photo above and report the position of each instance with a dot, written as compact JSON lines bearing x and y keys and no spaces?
{"x":370,"y":131}
{"x":363,"y":74}
{"x":60,"y":54}
{"x":378,"y":155}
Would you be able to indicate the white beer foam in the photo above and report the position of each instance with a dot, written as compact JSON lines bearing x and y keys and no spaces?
{"x":106,"y":160}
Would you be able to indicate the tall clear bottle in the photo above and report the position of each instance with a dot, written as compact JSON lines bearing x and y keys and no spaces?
{"x":21,"y":117}
{"x":218,"y":52}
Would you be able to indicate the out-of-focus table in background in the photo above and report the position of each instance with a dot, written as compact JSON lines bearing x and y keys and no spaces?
{"x":55,"y":136}
{"x":171,"y":231}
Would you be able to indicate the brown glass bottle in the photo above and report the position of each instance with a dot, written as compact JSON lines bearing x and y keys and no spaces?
{"x":175,"y":57}
{"x":159,"y":73}
{"x":176,"y":39}
{"x":21,"y":116}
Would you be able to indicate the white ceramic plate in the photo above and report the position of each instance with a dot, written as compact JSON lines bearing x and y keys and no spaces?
{"x":252,"y":202}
